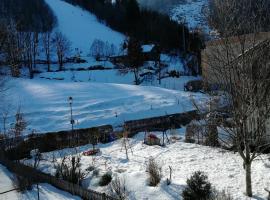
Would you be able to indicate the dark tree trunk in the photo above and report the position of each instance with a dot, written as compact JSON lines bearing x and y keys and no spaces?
{"x":137,"y":82}
{"x":248,"y":179}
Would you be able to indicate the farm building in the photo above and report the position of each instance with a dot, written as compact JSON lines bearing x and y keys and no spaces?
{"x":222,"y":58}
{"x":150,"y":52}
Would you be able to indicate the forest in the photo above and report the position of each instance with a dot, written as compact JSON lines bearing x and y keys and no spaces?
{"x":28,"y":15}
{"x":146,"y":25}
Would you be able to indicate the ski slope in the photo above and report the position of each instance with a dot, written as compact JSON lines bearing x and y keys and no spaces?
{"x":81,"y":27}
{"x":45,"y":106}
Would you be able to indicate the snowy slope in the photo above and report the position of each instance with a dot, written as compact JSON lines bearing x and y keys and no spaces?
{"x":46,"y":191}
{"x":224,"y":168}
{"x":44,"y":103}
{"x":191,"y":11}
{"x":81,"y":27}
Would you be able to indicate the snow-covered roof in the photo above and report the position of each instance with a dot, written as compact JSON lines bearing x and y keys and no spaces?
{"x":148,"y":47}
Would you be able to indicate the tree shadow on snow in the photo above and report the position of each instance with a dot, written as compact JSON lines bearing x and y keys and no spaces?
{"x":173,"y":190}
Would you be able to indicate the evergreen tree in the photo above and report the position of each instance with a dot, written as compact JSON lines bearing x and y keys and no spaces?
{"x":198,"y":187}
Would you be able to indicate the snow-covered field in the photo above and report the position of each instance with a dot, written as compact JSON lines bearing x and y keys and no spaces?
{"x":224,"y":168}
{"x":45,"y":106}
{"x":46,"y":191}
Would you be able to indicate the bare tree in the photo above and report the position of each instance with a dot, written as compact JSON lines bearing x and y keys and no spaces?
{"x":30,"y":43}
{"x":63,"y":46}
{"x":97,"y":49}
{"x":20,"y":124}
{"x":239,"y":65}
{"x":46,"y":41}
{"x":12,"y":48}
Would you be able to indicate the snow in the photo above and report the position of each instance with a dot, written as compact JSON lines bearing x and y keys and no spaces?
{"x":147,"y":48}
{"x":224,"y":168}
{"x":191,"y":11}
{"x":46,"y":191}
{"x":45,"y":107}
{"x":82,"y":27}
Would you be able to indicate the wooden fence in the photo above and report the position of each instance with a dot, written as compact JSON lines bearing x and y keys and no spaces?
{"x":20,"y":147}
{"x":40,"y":177}
{"x":161,"y":123}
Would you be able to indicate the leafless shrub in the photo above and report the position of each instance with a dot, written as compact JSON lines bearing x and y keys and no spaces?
{"x":118,"y":188}
{"x":216,"y":195}
{"x":69,"y":169}
{"x":154,"y":171}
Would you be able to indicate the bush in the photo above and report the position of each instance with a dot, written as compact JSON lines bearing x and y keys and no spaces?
{"x":90,"y":168}
{"x":69,"y":170}
{"x":198,"y":187}
{"x":154,"y":172}
{"x":105,"y":179}
{"x":95,"y":172}
{"x":118,"y":188}
{"x":23,"y":183}
{"x":174,"y":74}
{"x":216,"y":195}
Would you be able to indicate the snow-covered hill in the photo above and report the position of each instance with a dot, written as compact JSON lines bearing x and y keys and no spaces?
{"x":45,"y":106}
{"x":81,"y":27}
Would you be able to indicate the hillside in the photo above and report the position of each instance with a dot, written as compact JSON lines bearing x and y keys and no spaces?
{"x":81,"y":27}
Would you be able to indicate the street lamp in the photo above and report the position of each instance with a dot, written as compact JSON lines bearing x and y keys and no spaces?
{"x":70,"y":101}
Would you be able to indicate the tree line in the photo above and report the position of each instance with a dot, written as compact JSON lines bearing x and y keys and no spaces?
{"x":24,"y":48}
{"x":29,"y":15}
{"x":145,"y":25}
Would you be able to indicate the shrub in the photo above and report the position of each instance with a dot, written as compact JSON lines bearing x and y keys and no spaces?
{"x":23,"y":183}
{"x":118,"y":188}
{"x":90,"y":168}
{"x":174,"y":74}
{"x":69,"y":170}
{"x":198,"y":187}
{"x":105,"y":179}
{"x":96,"y":172}
{"x":154,"y":172}
{"x":216,"y":195}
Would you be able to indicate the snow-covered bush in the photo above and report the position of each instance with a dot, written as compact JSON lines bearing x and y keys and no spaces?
{"x":105,"y":179}
{"x":154,"y":172}
{"x":118,"y":188}
{"x":198,"y":187}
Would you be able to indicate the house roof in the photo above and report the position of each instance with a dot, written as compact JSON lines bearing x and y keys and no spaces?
{"x":147,"y":48}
